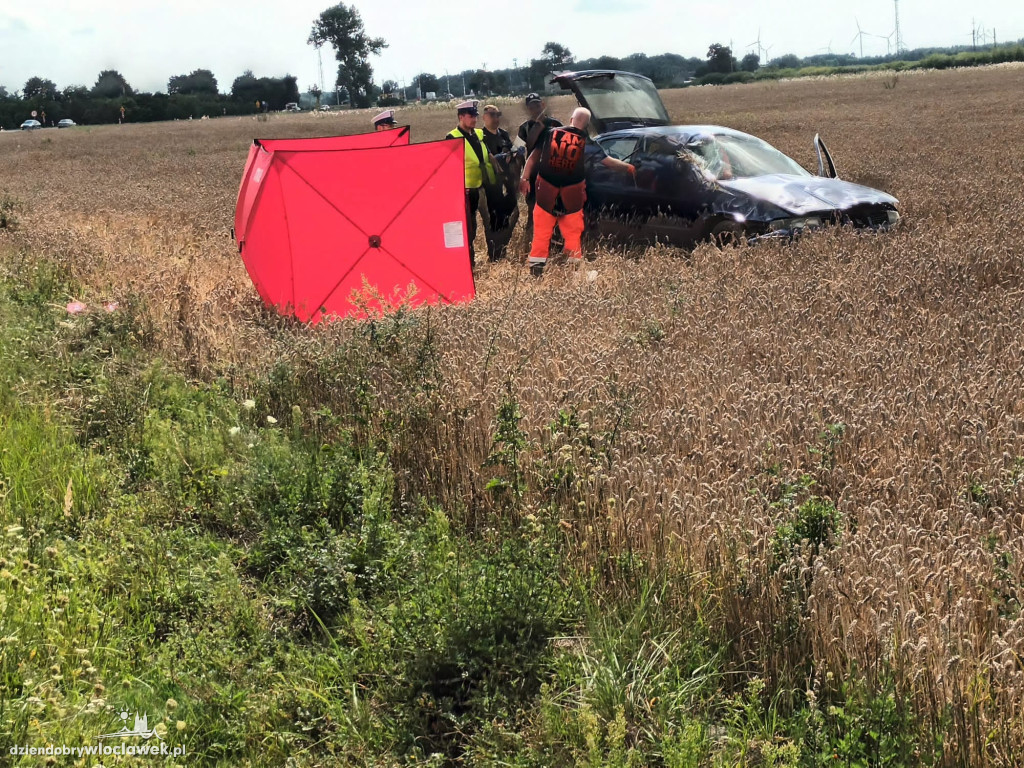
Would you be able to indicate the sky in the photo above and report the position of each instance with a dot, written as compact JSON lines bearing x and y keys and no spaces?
{"x":148,"y":41}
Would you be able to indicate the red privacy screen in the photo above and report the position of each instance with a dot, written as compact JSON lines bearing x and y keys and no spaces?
{"x":349,"y":232}
{"x":247,"y":191}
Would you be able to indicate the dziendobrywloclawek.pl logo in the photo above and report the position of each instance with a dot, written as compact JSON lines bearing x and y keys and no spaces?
{"x":124,"y":741}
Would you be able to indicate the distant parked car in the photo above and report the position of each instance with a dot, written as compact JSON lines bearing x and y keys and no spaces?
{"x":67,"y":123}
{"x":291,"y":106}
{"x":31,"y":125}
{"x":325,"y":107}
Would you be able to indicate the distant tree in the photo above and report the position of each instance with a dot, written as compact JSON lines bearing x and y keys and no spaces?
{"x":4,"y":95}
{"x":607,"y":62}
{"x":204,"y":81}
{"x":275,"y":91}
{"x":557,"y":56}
{"x":244,"y":86}
{"x":38,"y":88}
{"x":283,"y":90}
{"x":478,"y":81}
{"x":111,"y":85}
{"x":750,"y":63}
{"x":75,"y":93}
{"x":316,"y":93}
{"x":341,"y":27}
{"x":720,"y":58}
{"x":426,"y":82}
{"x":199,"y":81}
{"x":789,"y":61}
{"x":389,"y":87}
{"x":500,"y":81}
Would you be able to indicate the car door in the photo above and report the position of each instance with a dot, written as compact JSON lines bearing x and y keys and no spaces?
{"x":610,"y":189}
{"x":656,"y":183}
{"x":671,"y":177}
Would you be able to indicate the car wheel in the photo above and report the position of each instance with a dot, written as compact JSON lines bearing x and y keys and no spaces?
{"x":728,"y":233}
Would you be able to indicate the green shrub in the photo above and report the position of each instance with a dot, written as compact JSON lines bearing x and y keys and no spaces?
{"x":712,"y":78}
{"x":475,"y":631}
{"x":937,"y":61}
{"x":738,"y":77}
{"x":813,"y":527}
{"x":507,"y":447}
{"x":628,"y":690}
{"x":870,"y":726}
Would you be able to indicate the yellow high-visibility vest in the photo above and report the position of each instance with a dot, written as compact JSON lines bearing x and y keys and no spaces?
{"x":474,"y":173}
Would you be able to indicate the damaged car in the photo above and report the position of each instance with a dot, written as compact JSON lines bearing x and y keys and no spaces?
{"x":696,"y":182}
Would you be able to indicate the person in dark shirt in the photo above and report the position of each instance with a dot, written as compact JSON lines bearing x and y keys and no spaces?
{"x":537,"y":121}
{"x":529,"y":133}
{"x":503,"y":199}
{"x":558,"y":160}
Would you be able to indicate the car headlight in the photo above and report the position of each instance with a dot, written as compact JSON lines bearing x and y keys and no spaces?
{"x":795,"y":225}
{"x":894,"y":218}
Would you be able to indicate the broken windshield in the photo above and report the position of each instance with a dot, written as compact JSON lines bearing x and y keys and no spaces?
{"x":727,"y":156}
{"x":623,"y":96}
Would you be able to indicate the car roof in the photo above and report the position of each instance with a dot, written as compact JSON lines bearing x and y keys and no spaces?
{"x":585,"y":73}
{"x":679,"y":132}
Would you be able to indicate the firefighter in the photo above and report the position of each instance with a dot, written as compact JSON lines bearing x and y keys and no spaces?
{"x":479,"y":173}
{"x":558,"y":161}
{"x":536,"y":123}
{"x":385,"y":121}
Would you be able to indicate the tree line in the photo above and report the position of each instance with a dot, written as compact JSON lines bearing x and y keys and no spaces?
{"x":668,"y":70}
{"x":191,"y":95}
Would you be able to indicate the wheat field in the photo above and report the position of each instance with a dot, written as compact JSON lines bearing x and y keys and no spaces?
{"x":703,"y":385}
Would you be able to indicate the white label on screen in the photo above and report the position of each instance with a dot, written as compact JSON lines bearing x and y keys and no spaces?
{"x":453,"y":235}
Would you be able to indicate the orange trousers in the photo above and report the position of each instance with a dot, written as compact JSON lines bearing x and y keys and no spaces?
{"x":571,"y":227}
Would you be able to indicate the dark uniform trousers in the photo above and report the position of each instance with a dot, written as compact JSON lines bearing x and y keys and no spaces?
{"x":473,"y":200}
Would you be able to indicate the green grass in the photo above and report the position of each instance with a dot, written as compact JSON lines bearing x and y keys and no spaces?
{"x":244,"y":572}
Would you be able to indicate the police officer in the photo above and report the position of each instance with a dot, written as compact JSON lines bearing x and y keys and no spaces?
{"x":385,"y":121}
{"x":558,"y":162}
{"x":503,"y":201}
{"x":479,"y":172}
{"x":536,"y":123}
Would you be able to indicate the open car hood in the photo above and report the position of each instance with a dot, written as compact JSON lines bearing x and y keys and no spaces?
{"x":804,"y":195}
{"x":616,"y":100}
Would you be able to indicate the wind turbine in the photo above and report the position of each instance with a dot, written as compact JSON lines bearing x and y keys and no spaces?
{"x":859,"y":37}
{"x":982,"y":35}
{"x":888,"y":41}
{"x":761,"y":50}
